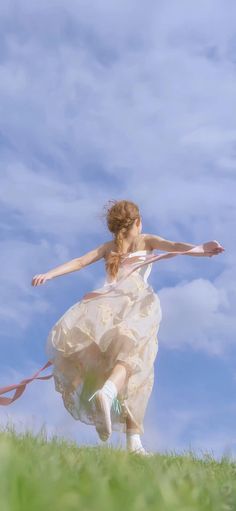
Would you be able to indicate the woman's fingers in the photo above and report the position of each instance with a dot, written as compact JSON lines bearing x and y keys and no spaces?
{"x":214,"y":251}
{"x":39,"y":279}
{"x":35,"y":280}
{"x":218,"y":250}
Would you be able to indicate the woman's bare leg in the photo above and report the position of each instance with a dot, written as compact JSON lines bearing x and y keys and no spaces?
{"x":104,"y":398}
{"x":133,"y":442}
{"x":118,"y":376}
{"x":131,"y":425}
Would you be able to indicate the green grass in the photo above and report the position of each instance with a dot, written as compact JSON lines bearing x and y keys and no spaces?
{"x":37,"y":474}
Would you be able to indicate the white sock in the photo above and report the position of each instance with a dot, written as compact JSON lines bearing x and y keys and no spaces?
{"x":133,"y":441}
{"x":110,"y":390}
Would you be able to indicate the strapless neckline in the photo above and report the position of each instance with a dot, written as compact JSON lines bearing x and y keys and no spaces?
{"x":135,"y":252}
{"x":127,"y":254}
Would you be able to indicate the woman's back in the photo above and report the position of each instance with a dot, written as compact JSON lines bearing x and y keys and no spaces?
{"x":144,"y":271}
{"x":140,"y":243}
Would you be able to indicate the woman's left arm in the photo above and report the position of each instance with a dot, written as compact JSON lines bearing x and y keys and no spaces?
{"x":208,"y":249}
{"x":157,"y":242}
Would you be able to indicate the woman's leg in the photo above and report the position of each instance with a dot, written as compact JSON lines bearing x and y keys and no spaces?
{"x":131,"y":425}
{"x":133,"y":440}
{"x":118,"y":375}
{"x":104,"y":398}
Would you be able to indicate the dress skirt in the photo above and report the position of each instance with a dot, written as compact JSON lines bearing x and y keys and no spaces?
{"x":118,"y":324}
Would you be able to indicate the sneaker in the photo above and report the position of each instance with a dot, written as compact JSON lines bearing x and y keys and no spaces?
{"x":102,"y":416}
{"x":141,"y":451}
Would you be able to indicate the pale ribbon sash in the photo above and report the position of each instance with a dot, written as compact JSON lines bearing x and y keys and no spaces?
{"x":205,"y":248}
{"x":130,"y":265}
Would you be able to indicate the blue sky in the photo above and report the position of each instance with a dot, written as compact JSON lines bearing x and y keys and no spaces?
{"x":102,"y":101}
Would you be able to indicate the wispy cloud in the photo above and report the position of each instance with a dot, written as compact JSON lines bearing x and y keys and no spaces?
{"x":197,"y":314}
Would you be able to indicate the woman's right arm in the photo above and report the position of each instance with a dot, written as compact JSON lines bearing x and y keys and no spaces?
{"x":74,"y":265}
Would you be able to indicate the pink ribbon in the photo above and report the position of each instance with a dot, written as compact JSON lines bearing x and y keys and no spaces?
{"x":204,"y":249}
{"x":20,"y":387}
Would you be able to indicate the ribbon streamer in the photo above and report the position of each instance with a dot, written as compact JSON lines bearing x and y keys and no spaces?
{"x":20,"y":387}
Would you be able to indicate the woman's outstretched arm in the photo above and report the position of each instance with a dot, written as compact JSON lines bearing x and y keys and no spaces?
{"x":157,"y":242}
{"x":74,"y":265}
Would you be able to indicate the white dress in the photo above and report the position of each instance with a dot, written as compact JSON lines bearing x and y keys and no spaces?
{"x":116,"y":324}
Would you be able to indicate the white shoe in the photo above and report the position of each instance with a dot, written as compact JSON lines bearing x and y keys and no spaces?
{"x":102,"y":415}
{"x":141,"y":451}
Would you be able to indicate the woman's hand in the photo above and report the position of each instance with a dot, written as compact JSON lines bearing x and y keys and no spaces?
{"x":207,"y":249}
{"x":211,"y":249}
{"x":41,"y":278}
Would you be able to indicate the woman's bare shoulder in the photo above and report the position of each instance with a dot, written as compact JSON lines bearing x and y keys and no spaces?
{"x":147,"y":241}
{"x":108,"y":246}
{"x":143,"y":242}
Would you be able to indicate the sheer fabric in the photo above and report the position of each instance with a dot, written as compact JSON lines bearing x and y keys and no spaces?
{"x":118,"y":324}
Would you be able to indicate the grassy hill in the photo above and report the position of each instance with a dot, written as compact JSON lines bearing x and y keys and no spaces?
{"x":37,"y":474}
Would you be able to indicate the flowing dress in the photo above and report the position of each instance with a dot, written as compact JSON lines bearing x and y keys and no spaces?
{"x":116,"y":323}
{"x":97,"y":332}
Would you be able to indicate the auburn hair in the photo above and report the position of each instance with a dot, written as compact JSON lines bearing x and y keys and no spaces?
{"x":120,"y":216}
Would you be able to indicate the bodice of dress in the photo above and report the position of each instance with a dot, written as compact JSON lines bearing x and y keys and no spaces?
{"x":144,"y":270}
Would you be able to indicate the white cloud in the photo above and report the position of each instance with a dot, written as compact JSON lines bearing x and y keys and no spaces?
{"x":187,"y":427}
{"x":197,"y":314}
